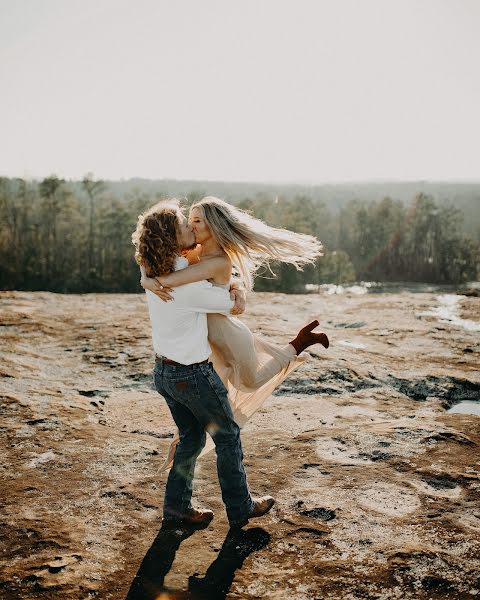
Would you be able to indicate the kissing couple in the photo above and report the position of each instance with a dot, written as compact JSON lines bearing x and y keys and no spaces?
{"x":212,"y":371}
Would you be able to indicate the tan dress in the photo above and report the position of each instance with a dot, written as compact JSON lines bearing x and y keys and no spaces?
{"x":249,"y":366}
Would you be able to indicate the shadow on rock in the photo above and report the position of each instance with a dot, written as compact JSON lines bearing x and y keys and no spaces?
{"x":148,"y":582}
{"x":219,"y":576}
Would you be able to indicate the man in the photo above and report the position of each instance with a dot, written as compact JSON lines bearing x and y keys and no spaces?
{"x":195,"y":394}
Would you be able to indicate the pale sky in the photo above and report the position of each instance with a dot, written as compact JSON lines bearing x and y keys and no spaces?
{"x":245,"y":90}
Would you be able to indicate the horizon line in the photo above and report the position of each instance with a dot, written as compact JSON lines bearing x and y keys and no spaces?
{"x":306,"y":183}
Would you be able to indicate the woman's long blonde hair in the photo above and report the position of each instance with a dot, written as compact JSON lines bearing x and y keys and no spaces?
{"x":251,"y":243}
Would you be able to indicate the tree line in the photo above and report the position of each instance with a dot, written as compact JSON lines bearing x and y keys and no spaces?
{"x":76,"y":237}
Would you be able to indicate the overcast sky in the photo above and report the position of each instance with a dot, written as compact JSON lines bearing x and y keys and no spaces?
{"x":244,"y":90}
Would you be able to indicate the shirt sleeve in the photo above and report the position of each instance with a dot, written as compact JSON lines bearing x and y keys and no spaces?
{"x":202,"y":296}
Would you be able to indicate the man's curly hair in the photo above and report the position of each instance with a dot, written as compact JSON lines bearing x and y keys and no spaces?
{"x":155,"y":238}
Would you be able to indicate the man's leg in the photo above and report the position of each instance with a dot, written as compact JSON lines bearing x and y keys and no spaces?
{"x":178,"y":491}
{"x":200,"y":390}
{"x":212,"y":408}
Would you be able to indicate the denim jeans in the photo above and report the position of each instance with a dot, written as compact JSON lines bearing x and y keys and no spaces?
{"x":199,"y":402}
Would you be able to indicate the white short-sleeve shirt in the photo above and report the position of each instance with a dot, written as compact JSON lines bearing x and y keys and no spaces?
{"x":179,"y":327}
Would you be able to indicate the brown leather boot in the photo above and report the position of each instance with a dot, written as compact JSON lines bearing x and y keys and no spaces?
{"x":305,"y":338}
{"x":198,"y":517}
{"x":261,"y":507}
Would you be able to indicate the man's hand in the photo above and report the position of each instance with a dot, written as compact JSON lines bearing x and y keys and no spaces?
{"x":149,"y":283}
{"x":240,"y":297}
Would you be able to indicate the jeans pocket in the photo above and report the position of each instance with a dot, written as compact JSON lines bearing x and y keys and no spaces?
{"x":183,"y":389}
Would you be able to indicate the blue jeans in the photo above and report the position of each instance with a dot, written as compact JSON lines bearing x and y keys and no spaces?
{"x":199,"y":402}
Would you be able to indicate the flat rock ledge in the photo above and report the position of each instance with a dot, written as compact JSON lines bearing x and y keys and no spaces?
{"x":377,"y":484}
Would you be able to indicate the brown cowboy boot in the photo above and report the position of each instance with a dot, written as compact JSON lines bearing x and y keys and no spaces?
{"x":196,"y":517}
{"x":261,"y":507}
{"x":305,"y":338}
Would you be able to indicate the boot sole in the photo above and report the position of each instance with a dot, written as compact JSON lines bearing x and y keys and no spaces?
{"x":171,"y":523}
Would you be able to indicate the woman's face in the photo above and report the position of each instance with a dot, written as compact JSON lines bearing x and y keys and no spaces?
{"x":199,"y":226}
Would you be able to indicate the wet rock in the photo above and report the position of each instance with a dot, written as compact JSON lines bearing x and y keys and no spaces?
{"x":141,"y":377}
{"x":317,"y":467}
{"x":93,"y":393}
{"x":308,"y":532}
{"x":162,"y":435}
{"x":323,"y":514}
{"x":453,"y":436}
{"x":436,"y":584}
{"x":440,"y":483}
{"x":450,"y":389}
{"x":330,"y":382}
{"x":375,"y":455}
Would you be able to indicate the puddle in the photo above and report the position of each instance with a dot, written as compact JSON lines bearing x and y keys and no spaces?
{"x":447,"y":312}
{"x":356,"y":345}
{"x":331,"y":288}
{"x":377,"y":287}
{"x":466,"y":407}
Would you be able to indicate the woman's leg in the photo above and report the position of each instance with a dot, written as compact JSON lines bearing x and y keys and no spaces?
{"x":254,"y":376}
{"x":249,"y":361}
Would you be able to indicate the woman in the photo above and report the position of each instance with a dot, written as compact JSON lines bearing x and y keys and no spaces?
{"x":229,"y":238}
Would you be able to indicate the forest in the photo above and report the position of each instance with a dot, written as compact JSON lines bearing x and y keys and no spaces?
{"x":75,"y":237}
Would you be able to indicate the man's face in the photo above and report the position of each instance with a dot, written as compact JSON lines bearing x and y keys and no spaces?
{"x":185,"y":235}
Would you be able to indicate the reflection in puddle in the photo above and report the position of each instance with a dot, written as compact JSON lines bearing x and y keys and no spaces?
{"x":447,"y":312}
{"x":466,"y":407}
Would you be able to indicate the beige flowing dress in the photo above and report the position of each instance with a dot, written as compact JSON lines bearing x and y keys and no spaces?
{"x":249,"y":366}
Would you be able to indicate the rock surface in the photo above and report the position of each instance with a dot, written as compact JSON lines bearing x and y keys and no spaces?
{"x":377,"y":485}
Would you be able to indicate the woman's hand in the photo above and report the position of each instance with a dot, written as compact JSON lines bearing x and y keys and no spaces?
{"x":152,"y":284}
{"x":240,"y":298}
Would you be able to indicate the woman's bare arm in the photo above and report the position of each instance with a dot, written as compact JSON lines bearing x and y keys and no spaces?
{"x":237,"y":294}
{"x":217,"y":268}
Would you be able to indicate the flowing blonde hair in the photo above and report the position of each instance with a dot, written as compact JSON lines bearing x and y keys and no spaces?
{"x":155,"y":238}
{"x":251,"y":243}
